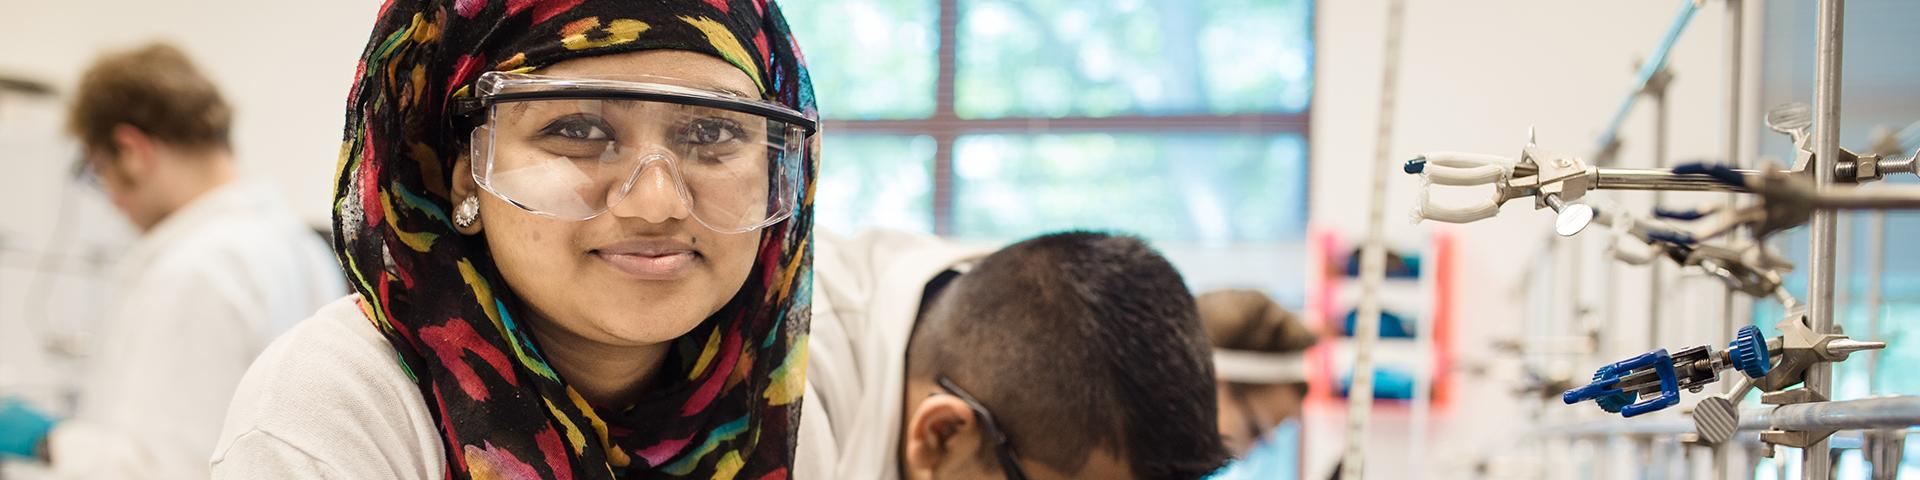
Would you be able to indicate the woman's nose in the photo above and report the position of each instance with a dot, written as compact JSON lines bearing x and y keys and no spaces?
{"x":654,"y":195}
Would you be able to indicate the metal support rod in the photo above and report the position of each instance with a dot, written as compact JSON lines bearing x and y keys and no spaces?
{"x":1660,"y":179}
{"x":1879,"y":198}
{"x":1604,"y":348}
{"x":1865,"y":413}
{"x":1373,"y":257}
{"x":1862,"y":414}
{"x":1648,"y":70}
{"x":1685,"y":466}
{"x":1876,"y":273}
{"x":1845,"y":224}
{"x":1644,"y":452}
{"x":1735,"y":30}
{"x":1655,"y":280}
{"x":1735,"y":23}
{"x":1663,"y":179}
{"x":1815,"y":461}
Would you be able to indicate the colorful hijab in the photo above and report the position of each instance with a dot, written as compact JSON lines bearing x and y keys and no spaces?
{"x":731,"y":406}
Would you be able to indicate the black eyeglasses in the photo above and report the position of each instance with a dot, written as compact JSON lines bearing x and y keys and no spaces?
{"x":86,"y":172}
{"x":1254,"y":431}
{"x":1002,"y":447}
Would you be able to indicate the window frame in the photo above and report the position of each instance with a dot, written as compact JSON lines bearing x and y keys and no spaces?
{"x":945,"y":127}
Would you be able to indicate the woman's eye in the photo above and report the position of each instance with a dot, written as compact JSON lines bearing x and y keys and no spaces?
{"x":709,"y":131}
{"x":578,"y":127}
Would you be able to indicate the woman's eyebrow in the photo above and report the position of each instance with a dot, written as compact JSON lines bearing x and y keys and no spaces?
{"x":711,"y":85}
{"x":729,"y":91}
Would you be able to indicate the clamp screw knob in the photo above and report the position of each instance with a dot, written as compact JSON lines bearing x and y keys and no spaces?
{"x":1749,"y":352}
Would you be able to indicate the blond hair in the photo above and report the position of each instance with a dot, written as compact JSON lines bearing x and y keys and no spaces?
{"x":155,"y":89}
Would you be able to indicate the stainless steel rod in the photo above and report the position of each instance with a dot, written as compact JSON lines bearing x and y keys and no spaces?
{"x":1815,"y":462}
{"x":1736,"y":19}
{"x":1884,"y":197}
{"x":1735,"y":35}
{"x":1865,"y":413}
{"x":1660,"y":179}
{"x":1655,"y":280}
{"x":1876,"y":274}
{"x":1373,"y":257}
{"x":1861,"y":414}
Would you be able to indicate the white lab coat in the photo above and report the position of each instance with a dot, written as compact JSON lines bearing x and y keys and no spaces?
{"x":201,"y":295}
{"x":866,"y":297}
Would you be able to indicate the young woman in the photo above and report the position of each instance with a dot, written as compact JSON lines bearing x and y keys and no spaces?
{"x":578,"y":231}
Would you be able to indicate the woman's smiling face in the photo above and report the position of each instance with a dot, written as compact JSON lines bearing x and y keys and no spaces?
{"x":643,"y":273}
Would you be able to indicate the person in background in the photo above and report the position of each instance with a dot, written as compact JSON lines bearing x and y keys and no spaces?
{"x":221,"y":267}
{"x":1258,"y":353}
{"x":1070,"y":355}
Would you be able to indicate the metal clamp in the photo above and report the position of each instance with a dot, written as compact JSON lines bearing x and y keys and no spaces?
{"x":1799,"y":348}
{"x":1752,"y":269}
{"x":1658,"y":376}
{"x":1716,"y":418}
{"x":1795,"y":119}
{"x":1787,"y":199}
{"x":1793,"y":438}
{"x":1558,"y":181}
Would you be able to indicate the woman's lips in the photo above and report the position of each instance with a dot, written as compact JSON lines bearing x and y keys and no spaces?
{"x":650,"y":259}
{"x":650,"y":267}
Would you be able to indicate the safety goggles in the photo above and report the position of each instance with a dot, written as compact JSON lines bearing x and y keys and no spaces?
{"x":571,"y":148}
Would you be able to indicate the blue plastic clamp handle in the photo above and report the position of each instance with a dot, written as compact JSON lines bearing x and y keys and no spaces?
{"x":1723,"y":173}
{"x":1612,"y":403}
{"x":1688,"y":214}
{"x":1670,"y":236}
{"x":1749,"y":352}
{"x":1658,"y":360}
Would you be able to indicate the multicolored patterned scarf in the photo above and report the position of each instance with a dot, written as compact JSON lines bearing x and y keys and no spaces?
{"x":732,"y":404}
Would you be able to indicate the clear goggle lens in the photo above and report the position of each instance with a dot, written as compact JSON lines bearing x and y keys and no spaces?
{"x":571,"y":149}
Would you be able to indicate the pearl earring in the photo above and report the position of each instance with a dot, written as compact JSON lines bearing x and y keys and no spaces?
{"x":468,"y":211}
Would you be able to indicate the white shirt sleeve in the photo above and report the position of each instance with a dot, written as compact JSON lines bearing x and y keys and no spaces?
{"x":156,"y":391}
{"x":329,"y":400}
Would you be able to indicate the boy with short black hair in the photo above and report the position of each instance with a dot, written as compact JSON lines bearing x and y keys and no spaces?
{"x":1082,"y":350}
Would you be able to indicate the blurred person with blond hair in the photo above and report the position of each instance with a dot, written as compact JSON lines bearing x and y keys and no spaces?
{"x":221,"y":267}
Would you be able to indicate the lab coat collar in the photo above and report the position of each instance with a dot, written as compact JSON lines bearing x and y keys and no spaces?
{"x":896,"y":267}
{"x":236,"y":197}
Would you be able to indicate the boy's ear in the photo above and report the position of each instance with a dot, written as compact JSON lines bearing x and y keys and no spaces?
{"x":941,"y":429}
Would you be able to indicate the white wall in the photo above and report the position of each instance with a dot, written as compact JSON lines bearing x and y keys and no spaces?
{"x":285,"y":66}
{"x":1474,"y":76}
